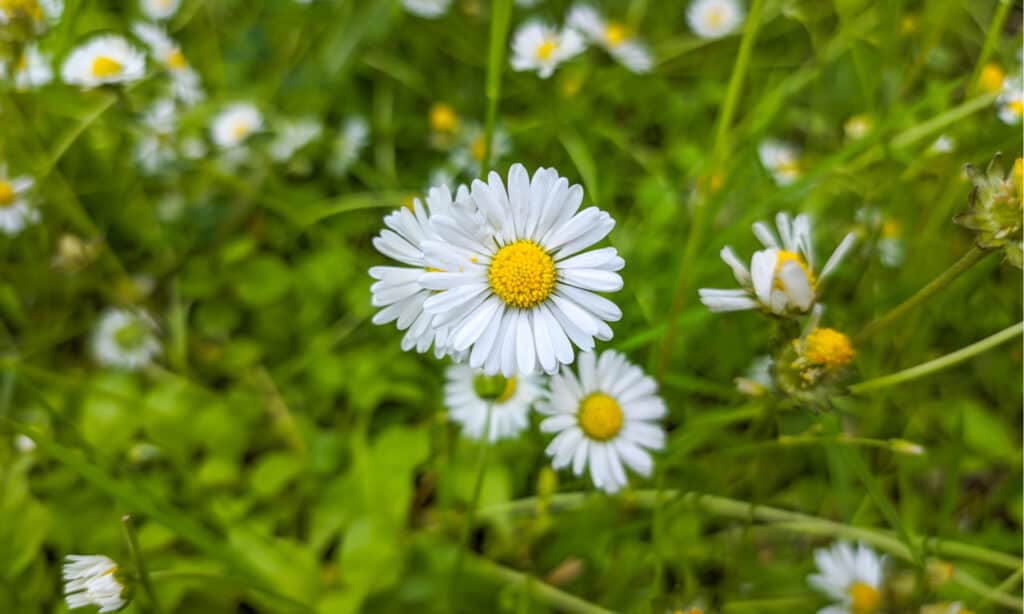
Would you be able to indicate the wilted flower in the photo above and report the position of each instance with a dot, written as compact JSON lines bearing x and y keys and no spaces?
{"x":125,"y":338}
{"x":104,"y":60}
{"x":994,"y":208}
{"x":540,"y":47}
{"x":349,"y":143}
{"x":468,"y":393}
{"x":93,"y":580}
{"x":714,"y":18}
{"x":15,"y":210}
{"x":615,"y":37}
{"x":853,"y":578}
{"x":430,"y":9}
{"x":781,"y":159}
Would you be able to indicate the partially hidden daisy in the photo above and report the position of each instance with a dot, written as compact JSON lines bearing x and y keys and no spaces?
{"x":155,"y":148}
{"x":853,"y":577}
{"x":605,"y":417}
{"x":469,"y":395}
{"x":125,"y":338}
{"x":92,"y":580}
{"x":469,"y":154}
{"x":614,"y":36}
{"x":781,"y":159}
{"x":292,"y":136}
{"x":15,"y":210}
{"x":714,"y":18}
{"x":104,"y":60}
{"x":541,"y":47}
{"x":348,"y":144}
{"x":782,"y":279}
{"x":514,"y":283}
{"x":430,"y":9}
{"x":159,"y":9}
{"x":185,"y":80}
{"x":29,"y":71}
{"x":235,"y":124}
{"x":1011,"y":101}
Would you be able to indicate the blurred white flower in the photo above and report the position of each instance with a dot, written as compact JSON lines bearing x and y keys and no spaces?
{"x":30,"y":71}
{"x":349,"y":143}
{"x":853,"y":578}
{"x":24,"y":444}
{"x":235,"y":124}
{"x":758,"y":380}
{"x":714,"y":18}
{"x":781,"y":159}
{"x":155,"y":148}
{"x":125,"y":338}
{"x":1011,"y":101}
{"x":781,"y":279}
{"x":39,"y":13}
{"x":511,"y":277}
{"x":540,"y":47}
{"x":104,"y":60}
{"x":430,"y":9}
{"x":91,"y":580}
{"x":441,"y":176}
{"x":184,"y":79}
{"x":614,"y":36}
{"x":858,"y":126}
{"x":605,"y":418}
{"x":943,"y":144}
{"x":292,"y":136}
{"x":159,"y":9}
{"x":468,"y":156}
{"x":193,"y":147}
{"x":468,"y":392}
{"x":15,"y":210}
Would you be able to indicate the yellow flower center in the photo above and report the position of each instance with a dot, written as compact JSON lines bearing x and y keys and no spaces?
{"x":1017,"y":107}
{"x":443,"y":118}
{"x":715,"y":17}
{"x":176,"y":60}
{"x":615,"y":33}
{"x":891,"y":229}
{"x":600,"y":416}
{"x":522,"y":274}
{"x":788,"y":256}
{"x":477,"y":149}
{"x":103,"y":66}
{"x":409,"y":203}
{"x":6,"y":194}
{"x":866,"y":598}
{"x":828,"y":347}
{"x":547,"y":49}
{"x":789,"y":168}
{"x":240,"y":130}
{"x":991,"y":78}
{"x":22,"y":63}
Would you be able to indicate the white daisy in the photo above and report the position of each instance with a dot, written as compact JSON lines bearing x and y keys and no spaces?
{"x":349,"y":143}
{"x":604,"y":418}
{"x":159,"y":9}
{"x":781,"y":279}
{"x":104,"y":60}
{"x":235,"y":124}
{"x":714,"y":18}
{"x":540,"y":47}
{"x":91,"y":579}
{"x":781,"y":159}
{"x":292,"y":136}
{"x":943,"y":144}
{"x":759,"y":379}
{"x":155,"y":148}
{"x":31,"y":70}
{"x":468,"y":392}
{"x":441,"y":176}
{"x":398,"y":292}
{"x":851,"y":577}
{"x":515,"y":285}
{"x":469,"y":155}
{"x":430,"y":9}
{"x":24,"y":444}
{"x":1011,"y":101}
{"x":614,"y":36}
{"x":184,"y":79}
{"x":15,"y":210}
{"x":125,"y":338}
{"x":38,"y":13}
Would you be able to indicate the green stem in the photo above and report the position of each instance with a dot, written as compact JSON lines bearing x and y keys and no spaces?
{"x":140,"y":566}
{"x":972,"y":257}
{"x":478,"y":483}
{"x":1006,"y":585}
{"x":991,"y":38}
{"x":545,"y":593}
{"x":501,"y":13}
{"x":939,"y":363}
{"x":972,"y":584}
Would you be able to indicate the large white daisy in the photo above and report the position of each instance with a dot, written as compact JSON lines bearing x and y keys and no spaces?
{"x":614,"y":36}
{"x":514,"y":283}
{"x":91,"y":579}
{"x":852,"y":577}
{"x":782,"y":278}
{"x":235,"y":124}
{"x":15,"y":210}
{"x":184,"y":79}
{"x":714,"y":18}
{"x":605,"y":418}
{"x":541,"y":47}
{"x":468,"y":393}
{"x":104,"y":60}
{"x":125,"y":338}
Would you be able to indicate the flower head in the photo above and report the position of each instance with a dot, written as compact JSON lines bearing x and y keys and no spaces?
{"x":991,"y":78}
{"x":15,"y":210}
{"x":349,"y":143}
{"x":468,"y":393}
{"x":104,"y":60}
{"x":615,"y":37}
{"x":159,"y":10}
{"x":851,"y":577}
{"x":858,"y":126}
{"x":469,"y":154}
{"x":34,"y":15}
{"x":1011,"y":101}
{"x":92,"y":579}
{"x":184,"y":79}
{"x":31,"y":70}
{"x":125,"y":338}
{"x":714,"y":18}
{"x":294,"y":135}
{"x":235,"y":124}
{"x":429,"y":9}
{"x":759,"y":379}
{"x":155,"y":149}
{"x":540,"y":47}
{"x":781,"y":159}
{"x":604,"y":417}
{"x":994,"y":208}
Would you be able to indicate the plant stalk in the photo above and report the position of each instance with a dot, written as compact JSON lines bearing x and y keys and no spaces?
{"x":127,"y":522}
{"x":501,"y":14}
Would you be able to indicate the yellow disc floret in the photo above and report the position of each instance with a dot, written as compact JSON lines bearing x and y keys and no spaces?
{"x":828,"y":347}
{"x":991,"y":78}
{"x":615,"y":33}
{"x":6,"y":194}
{"x":600,"y":416}
{"x":103,"y":66}
{"x":865,"y":598}
{"x":443,"y":118}
{"x":788,"y":256}
{"x":176,"y":60}
{"x":546,"y":49}
{"x":522,"y":274}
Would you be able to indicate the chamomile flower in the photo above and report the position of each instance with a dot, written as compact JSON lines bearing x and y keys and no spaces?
{"x":540,"y":47}
{"x":125,"y":338}
{"x":159,"y":10}
{"x":30,"y":71}
{"x":104,"y":60}
{"x":92,"y":580}
{"x":292,"y":136}
{"x":605,"y":417}
{"x":155,"y":148}
{"x":469,"y":154}
{"x":184,"y":79}
{"x":348,"y":145}
{"x":15,"y":210}
{"x":235,"y":124}
{"x":852,"y":577}
{"x":468,"y":393}
{"x":781,"y":159}
{"x":1011,"y":101}
{"x":714,"y":18}
{"x":430,"y":9}
{"x":515,"y":285}
{"x":614,"y":36}
{"x":782,"y":279}
{"x":36,"y":14}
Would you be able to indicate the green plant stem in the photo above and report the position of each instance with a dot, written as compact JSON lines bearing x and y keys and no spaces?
{"x":127,"y":522}
{"x":989,"y":593}
{"x":478,"y":483}
{"x":545,"y":593}
{"x":939,"y":363}
{"x":1004,"y":586}
{"x":968,"y":260}
{"x":991,"y":38}
{"x":501,"y":14}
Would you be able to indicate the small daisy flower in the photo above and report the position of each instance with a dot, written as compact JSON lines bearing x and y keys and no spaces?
{"x":614,"y":36}
{"x":30,"y":71}
{"x":516,"y":285}
{"x":604,"y":418}
{"x":293,"y":136}
{"x":781,"y":159}
{"x":429,"y":9}
{"x":820,"y":353}
{"x":714,"y":18}
{"x":858,"y":126}
{"x":159,"y":10}
{"x":782,"y":278}
{"x":15,"y":210}
{"x":943,"y":144}
{"x":37,"y":14}
{"x":540,"y":47}
{"x":1011,"y":101}
{"x":469,"y":155}
{"x":759,"y":379}
{"x":235,"y":124}
{"x":126,"y":339}
{"x":351,"y":139}
{"x":441,"y":176}
{"x":468,"y":393}
{"x":104,"y":60}
{"x":852,"y":577}
{"x":184,"y":79}
{"x":155,"y":149}
{"x":92,"y":580}
{"x":24,"y":444}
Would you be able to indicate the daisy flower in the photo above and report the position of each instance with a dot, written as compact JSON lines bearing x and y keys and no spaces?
{"x":104,"y":60}
{"x":31,"y":70}
{"x":853,"y":578}
{"x":24,"y":444}
{"x":604,"y":418}
{"x":943,"y":144}
{"x":15,"y":210}
{"x":514,"y":282}
{"x":441,"y":176}
{"x":235,"y":124}
{"x":614,"y":36}
{"x":468,"y":393}
{"x":293,"y":136}
{"x":759,"y":379}
{"x":1011,"y":101}
{"x":469,"y":155}
{"x":37,"y":13}
{"x":430,"y":9}
{"x":155,"y":149}
{"x":781,"y":159}
{"x":91,"y":579}
{"x":349,"y":143}
{"x":125,"y":338}
{"x":184,"y":79}
{"x":540,"y":47}
{"x":159,"y":10}
{"x":858,"y":126}
{"x":714,"y":18}
{"x":782,"y":278}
